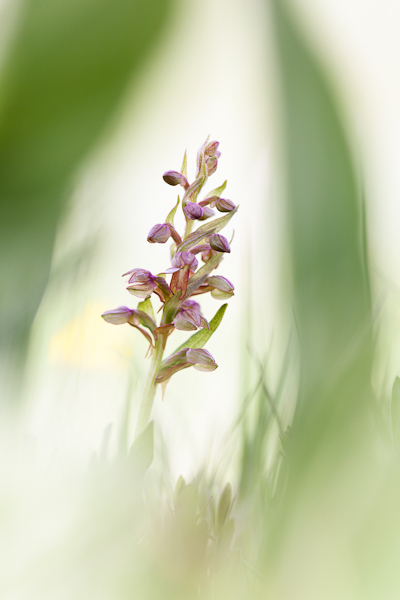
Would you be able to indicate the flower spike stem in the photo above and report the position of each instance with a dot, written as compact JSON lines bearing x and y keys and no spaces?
{"x":149,"y":391}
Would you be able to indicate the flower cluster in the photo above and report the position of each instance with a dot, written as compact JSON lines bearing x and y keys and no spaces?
{"x":179,"y":310}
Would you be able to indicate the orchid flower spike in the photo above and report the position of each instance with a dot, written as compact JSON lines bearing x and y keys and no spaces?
{"x":179,"y":310}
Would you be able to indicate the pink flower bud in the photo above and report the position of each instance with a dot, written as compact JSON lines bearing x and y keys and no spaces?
{"x":193,"y":211}
{"x":189,"y":320}
{"x":207,"y":213}
{"x":211,"y":148}
{"x":175,"y":178}
{"x":189,"y":303}
{"x":221,"y":283}
{"x":201,"y":359}
{"x":118,"y":316}
{"x":187,"y":357}
{"x":223,"y":288}
{"x":224,"y":205}
{"x":219,"y":243}
{"x":183,"y":259}
{"x":159,"y":234}
{"x":142,"y":283}
{"x":211,"y":164}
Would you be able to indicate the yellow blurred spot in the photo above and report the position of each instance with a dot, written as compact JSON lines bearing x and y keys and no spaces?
{"x":88,"y":341}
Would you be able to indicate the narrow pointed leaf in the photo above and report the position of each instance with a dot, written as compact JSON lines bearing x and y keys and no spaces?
{"x":171,"y":214}
{"x":147,"y":307}
{"x":206,"y":230}
{"x":145,"y":320}
{"x":184,"y":165}
{"x":199,"y":339}
{"x":217,"y":192}
{"x":198,"y":278}
{"x":193,"y":189}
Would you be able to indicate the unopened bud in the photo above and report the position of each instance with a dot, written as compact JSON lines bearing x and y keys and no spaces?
{"x":223,"y":288}
{"x":189,"y":320}
{"x":211,"y":149}
{"x":211,"y":164}
{"x":159,"y":234}
{"x":224,"y":205}
{"x":142,"y":283}
{"x":118,"y":316}
{"x":175,"y":178}
{"x":221,"y":283}
{"x":207,"y":213}
{"x":219,"y":243}
{"x":183,"y":259}
{"x":201,"y":359}
{"x":193,"y":211}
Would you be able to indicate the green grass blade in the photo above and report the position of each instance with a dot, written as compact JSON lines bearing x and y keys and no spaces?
{"x":62,"y":79}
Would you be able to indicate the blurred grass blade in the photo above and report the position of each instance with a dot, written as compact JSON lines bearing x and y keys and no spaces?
{"x":395,"y":413}
{"x":66,"y":70}
{"x":332,"y":310}
{"x":331,"y":297}
{"x":141,"y":452}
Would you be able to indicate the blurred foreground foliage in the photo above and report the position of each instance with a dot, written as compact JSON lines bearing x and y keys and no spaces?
{"x":63,"y":76}
{"x":318,"y":492}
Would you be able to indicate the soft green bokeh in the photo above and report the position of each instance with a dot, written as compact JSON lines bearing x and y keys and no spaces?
{"x":67,"y":67}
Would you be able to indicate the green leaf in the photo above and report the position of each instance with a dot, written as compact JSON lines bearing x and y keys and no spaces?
{"x":201,"y":275}
{"x":171,"y":214}
{"x":217,"y":192}
{"x":331,"y":297}
{"x":171,"y":307}
{"x":207,"y":229}
{"x":147,"y":307}
{"x":395,"y":412}
{"x":224,"y":506}
{"x":331,"y":301}
{"x":146,"y":320}
{"x":141,"y":452}
{"x":184,"y":165}
{"x":200,"y":338}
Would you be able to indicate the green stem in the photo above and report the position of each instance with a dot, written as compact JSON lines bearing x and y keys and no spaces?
{"x":146,"y":404}
{"x":188,"y":229}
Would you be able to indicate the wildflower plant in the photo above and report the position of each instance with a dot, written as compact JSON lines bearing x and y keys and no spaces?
{"x":179,"y":310}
